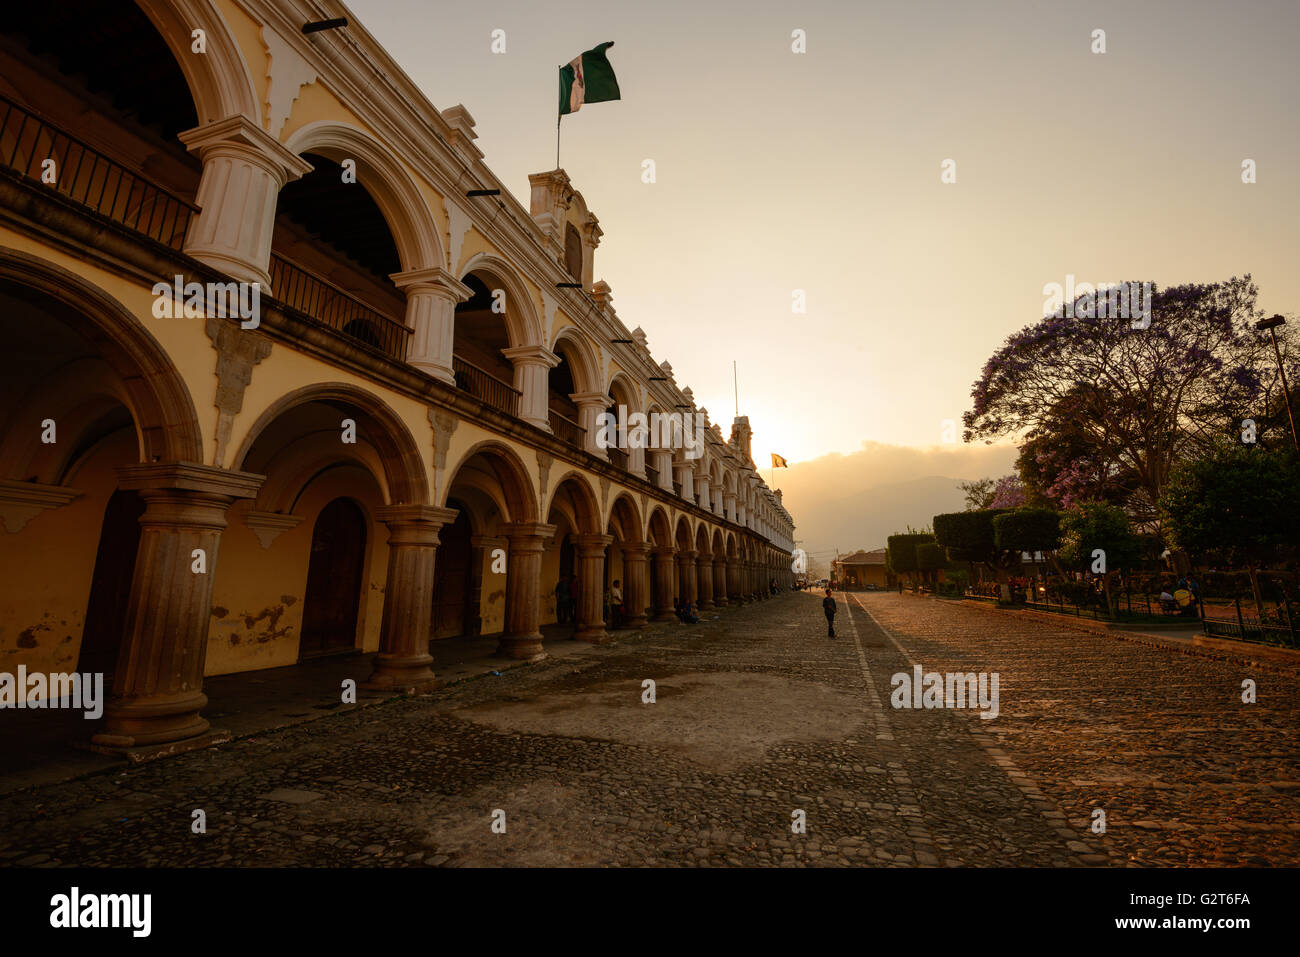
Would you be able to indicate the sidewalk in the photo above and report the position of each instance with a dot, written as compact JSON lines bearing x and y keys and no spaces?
{"x":42,"y":747}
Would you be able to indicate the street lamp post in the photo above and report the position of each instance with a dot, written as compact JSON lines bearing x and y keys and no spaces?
{"x":1271,"y":325}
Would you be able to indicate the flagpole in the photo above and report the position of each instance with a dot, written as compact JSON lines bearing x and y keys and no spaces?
{"x":736,"y":384}
{"x":558,"y":116}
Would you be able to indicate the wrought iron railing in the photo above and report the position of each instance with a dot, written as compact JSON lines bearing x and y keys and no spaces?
{"x":41,"y":152}
{"x":566,"y":430}
{"x":617,"y":457}
{"x":318,"y":299}
{"x":652,"y":475}
{"x":483,"y":385}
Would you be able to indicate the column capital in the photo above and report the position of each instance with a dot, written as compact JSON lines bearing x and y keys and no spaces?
{"x":592,"y":542}
{"x":433,"y":515}
{"x":592,"y":398}
{"x":639,"y":549}
{"x":535,"y":355}
{"x":190,"y":477}
{"x":434,"y":280}
{"x":241,"y":136}
{"x":524,"y":532}
{"x":687,"y":555}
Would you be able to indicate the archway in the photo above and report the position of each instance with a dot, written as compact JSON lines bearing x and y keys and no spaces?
{"x":332,"y":597}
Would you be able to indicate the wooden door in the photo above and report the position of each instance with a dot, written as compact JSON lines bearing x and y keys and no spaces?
{"x":333,"y":600}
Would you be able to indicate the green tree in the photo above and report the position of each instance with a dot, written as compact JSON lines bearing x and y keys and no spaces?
{"x":1096,"y":537}
{"x":969,"y":537}
{"x":1028,"y":530}
{"x":1239,"y":500}
{"x":901,"y":553}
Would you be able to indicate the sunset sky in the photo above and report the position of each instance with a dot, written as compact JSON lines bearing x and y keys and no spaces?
{"x":820,"y":171}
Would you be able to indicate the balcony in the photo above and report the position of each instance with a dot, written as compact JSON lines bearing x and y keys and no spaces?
{"x":652,"y":475}
{"x":326,"y":303}
{"x":617,"y":457}
{"x":484,"y":386}
{"x":89,"y":178}
{"x":566,"y":430}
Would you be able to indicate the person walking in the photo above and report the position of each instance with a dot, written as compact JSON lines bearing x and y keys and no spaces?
{"x":828,"y":607}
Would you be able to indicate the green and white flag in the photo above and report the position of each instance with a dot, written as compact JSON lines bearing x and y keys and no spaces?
{"x":587,"y":79}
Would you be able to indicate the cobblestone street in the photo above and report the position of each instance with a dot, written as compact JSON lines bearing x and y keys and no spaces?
{"x":758,"y":714}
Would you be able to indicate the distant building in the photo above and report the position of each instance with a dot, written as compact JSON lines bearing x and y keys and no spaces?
{"x":860,"y":569}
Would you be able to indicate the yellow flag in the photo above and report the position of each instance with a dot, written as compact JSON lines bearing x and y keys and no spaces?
{"x":778,"y":462}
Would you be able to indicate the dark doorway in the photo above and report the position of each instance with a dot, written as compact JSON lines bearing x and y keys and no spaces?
{"x":110,"y":588}
{"x":452,"y":577}
{"x":333,"y":599}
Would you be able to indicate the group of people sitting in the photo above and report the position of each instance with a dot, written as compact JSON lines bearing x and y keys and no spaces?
{"x":1182,"y":600}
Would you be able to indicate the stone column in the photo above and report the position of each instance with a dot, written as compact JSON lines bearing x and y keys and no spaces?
{"x":716,"y":493}
{"x":244,"y":168}
{"x":533,"y":365}
{"x":664,"y":599}
{"x":635,"y":583}
{"x":719,"y":581}
{"x":523,"y":637}
{"x":702,"y":492}
{"x":589,"y":552}
{"x":663,"y":464}
{"x":686,"y":574}
{"x":729,"y":505}
{"x":635,"y":458}
{"x":404,"y":660}
{"x":686,"y":476}
{"x":158,"y":684}
{"x":431,"y":298}
{"x":704,"y":579}
{"x":590,"y":406}
{"x":733,"y":582}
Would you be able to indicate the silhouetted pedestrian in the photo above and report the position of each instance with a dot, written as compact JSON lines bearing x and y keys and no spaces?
{"x":828,"y":607}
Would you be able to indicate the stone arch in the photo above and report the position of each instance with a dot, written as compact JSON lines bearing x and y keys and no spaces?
{"x":582,"y":358}
{"x":522,"y":322}
{"x":719,"y":545}
{"x":582,"y":502}
{"x":733,"y":550}
{"x":622,"y":388}
{"x":220,"y":81}
{"x":399,"y":462}
{"x":624,"y":519}
{"x":379,"y":171}
{"x":658,"y":529}
{"x":702,"y":540}
{"x":682,"y":537}
{"x":517,"y":500}
{"x":152,"y":389}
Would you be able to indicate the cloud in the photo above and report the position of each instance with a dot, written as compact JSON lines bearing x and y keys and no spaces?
{"x":858,"y":500}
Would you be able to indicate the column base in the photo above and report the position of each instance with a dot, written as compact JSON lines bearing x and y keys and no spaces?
{"x":521,"y":647}
{"x":595,"y":636}
{"x":664,"y":614}
{"x":705,"y":604}
{"x":394,"y":672}
{"x":637,"y":621}
{"x":143,"y":722}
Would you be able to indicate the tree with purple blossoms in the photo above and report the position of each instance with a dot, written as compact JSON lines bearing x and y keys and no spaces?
{"x":1105,"y":407}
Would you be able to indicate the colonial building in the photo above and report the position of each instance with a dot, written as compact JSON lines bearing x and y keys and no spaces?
{"x":860,"y":569}
{"x":391,"y":439}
